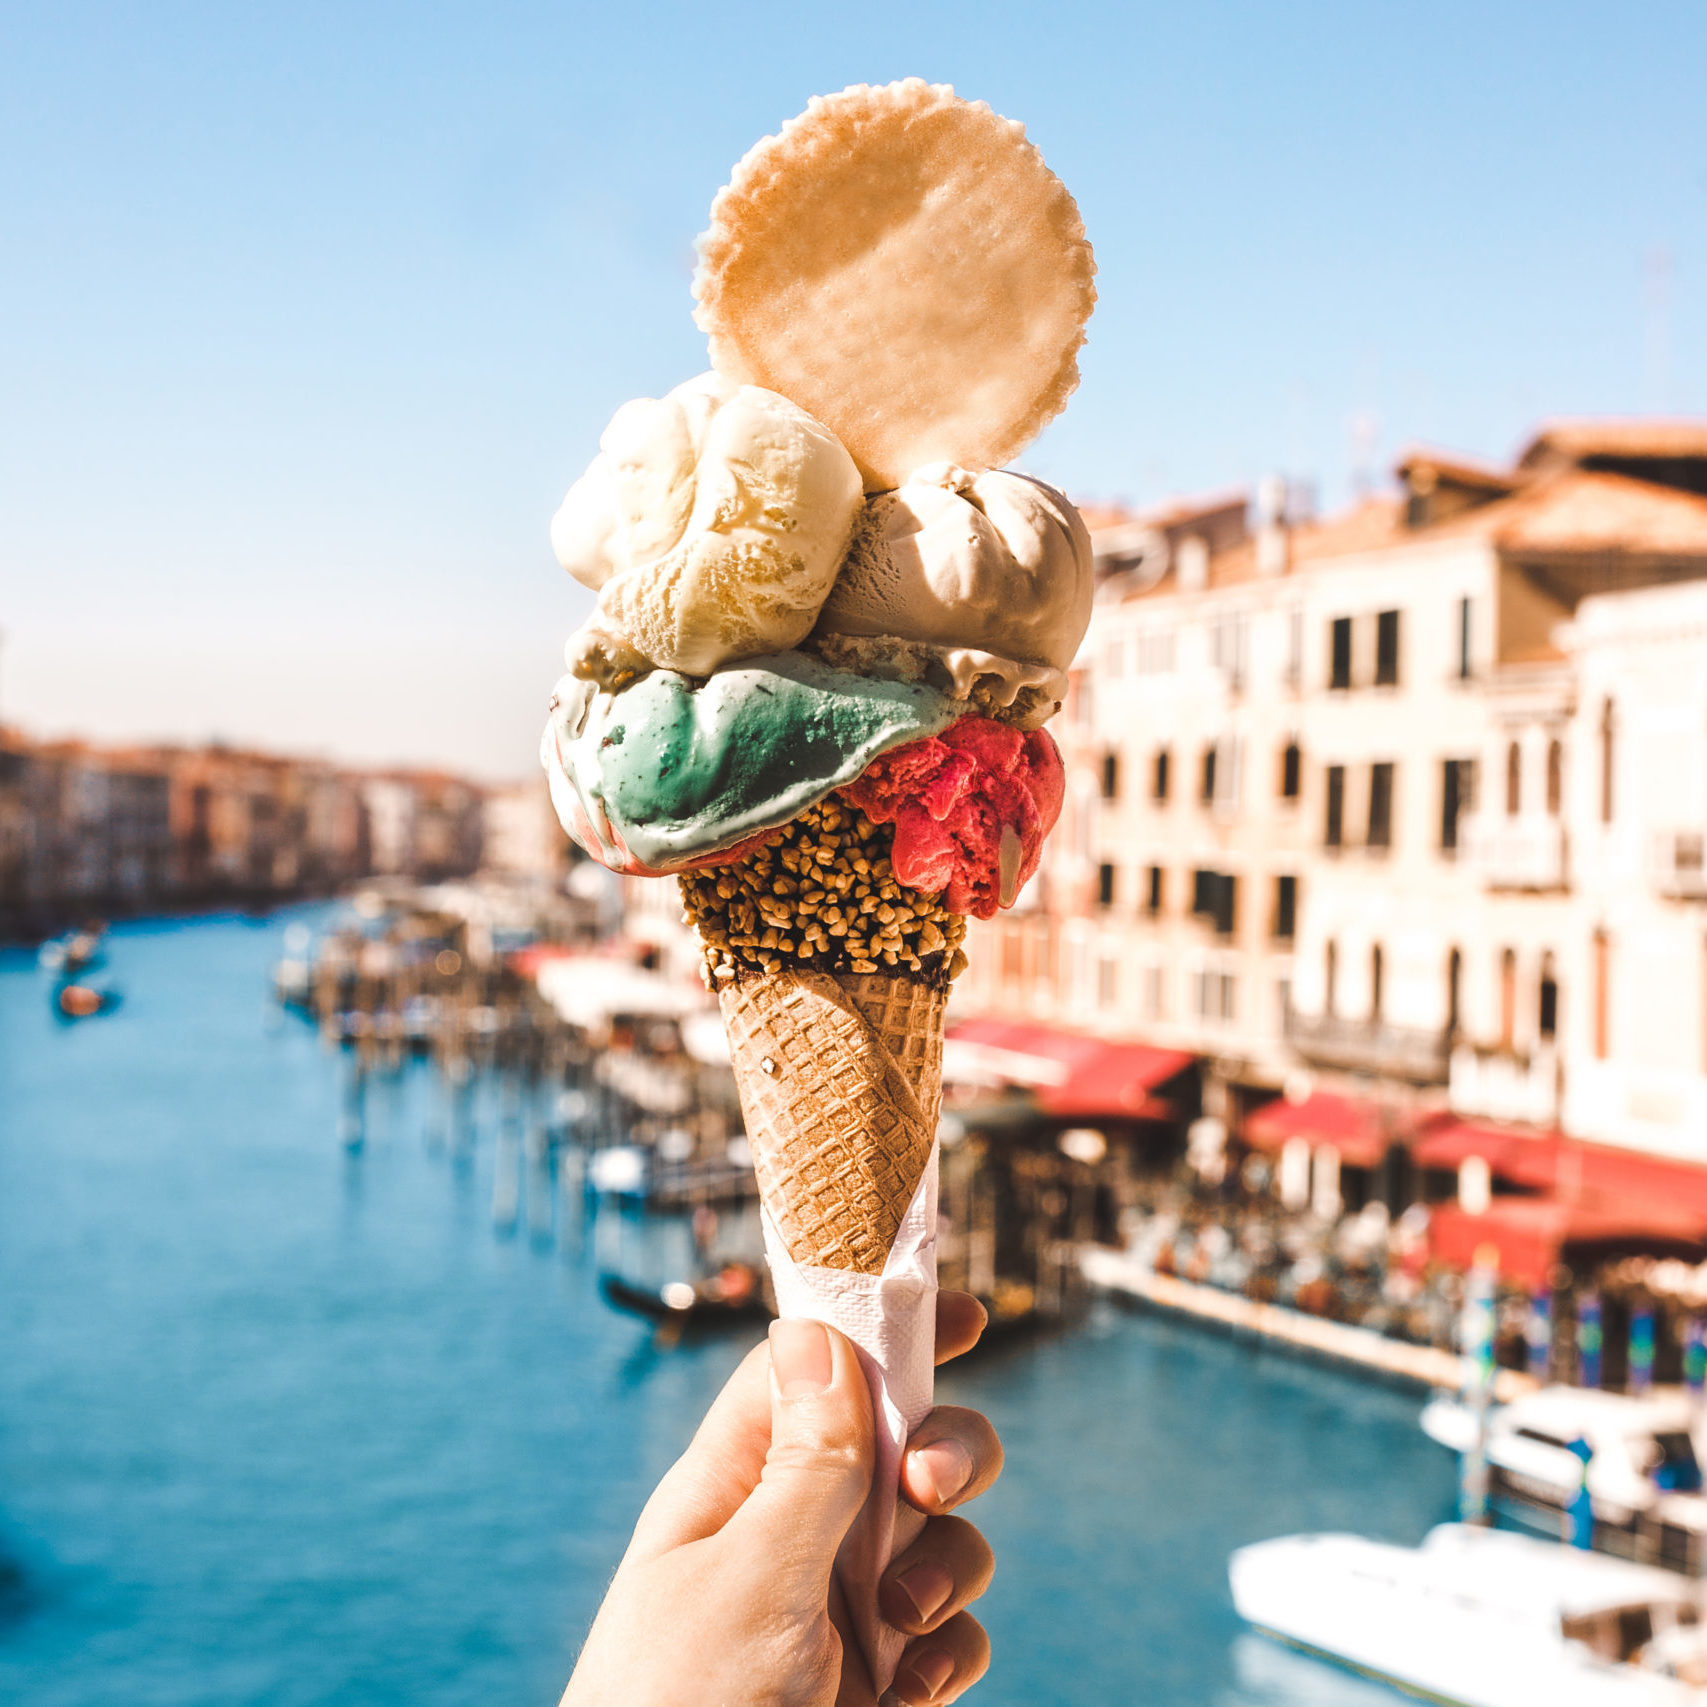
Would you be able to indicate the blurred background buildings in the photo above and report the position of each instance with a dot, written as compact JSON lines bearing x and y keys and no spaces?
{"x":115,"y":831}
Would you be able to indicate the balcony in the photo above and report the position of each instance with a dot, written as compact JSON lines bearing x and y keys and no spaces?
{"x":1369,"y":1046}
{"x":1523,"y":1086}
{"x":1516,"y":853}
{"x":1679,"y":864}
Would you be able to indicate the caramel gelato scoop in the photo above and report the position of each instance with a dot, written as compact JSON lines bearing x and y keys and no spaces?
{"x":995,"y":564}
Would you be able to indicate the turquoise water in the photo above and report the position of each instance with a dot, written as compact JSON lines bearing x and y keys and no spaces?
{"x":284,"y":1425}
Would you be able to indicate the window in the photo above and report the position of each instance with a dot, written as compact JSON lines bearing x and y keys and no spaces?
{"x":1216,"y":994}
{"x":1606,"y":743}
{"x":1011,"y":951}
{"x":1153,"y":890}
{"x":1381,"y":806}
{"x":1387,"y":649}
{"x":1333,"y":834}
{"x":1111,"y":776}
{"x":1330,"y":978}
{"x":1214,"y":896}
{"x":1377,"y":976}
{"x":1291,"y":771}
{"x":1555,"y":778}
{"x":1463,"y":640}
{"x":1454,"y":992}
{"x":1108,"y":981}
{"x":1547,"y":1005}
{"x":1339,"y":651}
{"x":1206,"y":784}
{"x":1080,"y":707}
{"x":1285,"y":907}
{"x":1513,"y":779}
{"x":1602,"y":995}
{"x":1152,"y":992}
{"x":1105,"y":885}
{"x":1294,"y":648}
{"x":1159,"y":776}
{"x":1508,"y":997}
{"x":1457,"y":797}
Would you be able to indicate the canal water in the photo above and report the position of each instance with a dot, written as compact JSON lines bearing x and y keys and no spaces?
{"x":285,"y":1424}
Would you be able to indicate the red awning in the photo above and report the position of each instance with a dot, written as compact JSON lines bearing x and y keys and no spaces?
{"x":1359,"y":1130}
{"x":1519,"y":1155}
{"x":1567,"y":1168}
{"x":1530,"y":1234}
{"x":1070,"y":1074}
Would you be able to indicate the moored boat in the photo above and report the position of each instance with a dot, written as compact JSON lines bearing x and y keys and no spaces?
{"x":1482,"y":1617}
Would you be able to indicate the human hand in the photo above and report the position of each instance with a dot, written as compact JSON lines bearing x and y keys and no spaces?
{"x":725,"y":1596}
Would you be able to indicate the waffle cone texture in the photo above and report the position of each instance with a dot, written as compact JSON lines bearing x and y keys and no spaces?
{"x":840,"y":1077}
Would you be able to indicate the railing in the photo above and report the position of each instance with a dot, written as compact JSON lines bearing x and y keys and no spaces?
{"x":1504,"y":1084}
{"x":1679,"y":864}
{"x":1516,"y":853}
{"x":1370,"y":1046}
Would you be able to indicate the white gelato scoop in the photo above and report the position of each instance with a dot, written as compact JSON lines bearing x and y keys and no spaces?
{"x":710,"y":524}
{"x":996,"y":564}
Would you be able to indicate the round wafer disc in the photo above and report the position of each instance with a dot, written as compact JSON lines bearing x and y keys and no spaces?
{"x":901,"y":264}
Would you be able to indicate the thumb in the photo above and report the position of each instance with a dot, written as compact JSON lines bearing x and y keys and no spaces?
{"x":819,"y":1463}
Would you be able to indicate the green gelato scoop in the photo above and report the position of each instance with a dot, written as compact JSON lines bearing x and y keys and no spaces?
{"x":672,"y":771}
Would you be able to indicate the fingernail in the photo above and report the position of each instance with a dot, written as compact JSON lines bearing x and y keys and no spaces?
{"x":947,"y":1466}
{"x":933,"y":1668}
{"x":800,"y":1358}
{"x":926,"y":1586}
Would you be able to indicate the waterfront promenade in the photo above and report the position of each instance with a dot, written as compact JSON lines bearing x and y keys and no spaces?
{"x":286,"y":1425}
{"x":1312,"y":1337}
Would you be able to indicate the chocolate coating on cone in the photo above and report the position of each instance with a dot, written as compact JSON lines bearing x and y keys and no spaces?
{"x":840,"y":1081}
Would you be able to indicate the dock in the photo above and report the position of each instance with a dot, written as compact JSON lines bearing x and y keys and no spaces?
{"x":1316,"y":1337}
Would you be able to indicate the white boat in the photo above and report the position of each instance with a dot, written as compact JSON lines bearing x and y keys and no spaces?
{"x":1643,"y":1475}
{"x":1483,"y":1618}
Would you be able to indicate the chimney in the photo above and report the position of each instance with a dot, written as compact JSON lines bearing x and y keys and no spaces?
{"x":1274,"y":540}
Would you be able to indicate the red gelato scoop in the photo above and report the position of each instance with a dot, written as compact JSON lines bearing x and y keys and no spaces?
{"x":970,"y":808}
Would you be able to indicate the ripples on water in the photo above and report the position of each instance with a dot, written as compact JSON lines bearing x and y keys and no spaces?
{"x":282,"y":1425}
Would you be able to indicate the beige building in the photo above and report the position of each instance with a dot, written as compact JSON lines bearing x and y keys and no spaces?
{"x":1335,"y":794}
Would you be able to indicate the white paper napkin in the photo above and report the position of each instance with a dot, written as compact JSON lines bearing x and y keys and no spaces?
{"x":891,"y":1318}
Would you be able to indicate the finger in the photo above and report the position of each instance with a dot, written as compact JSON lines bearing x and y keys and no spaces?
{"x":960,"y":1319}
{"x":819,"y":1464}
{"x":706,"y":1486}
{"x":952,"y":1457}
{"x":942,"y":1573}
{"x":943,"y":1665}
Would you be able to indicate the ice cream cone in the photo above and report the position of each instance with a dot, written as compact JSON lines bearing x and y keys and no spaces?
{"x":840,"y":1078}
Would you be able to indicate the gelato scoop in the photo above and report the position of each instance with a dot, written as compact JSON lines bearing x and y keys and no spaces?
{"x":710,"y":525}
{"x":970,"y":808}
{"x":671,"y":773}
{"x":994,"y":563}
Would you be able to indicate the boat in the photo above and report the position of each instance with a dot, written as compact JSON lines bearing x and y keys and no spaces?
{"x":1482,"y":1617}
{"x":75,"y":952}
{"x":1643,"y":1477}
{"x":734,"y":1296}
{"x":83,"y":1001}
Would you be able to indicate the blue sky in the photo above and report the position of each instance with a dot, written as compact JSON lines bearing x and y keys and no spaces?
{"x":309,"y":314}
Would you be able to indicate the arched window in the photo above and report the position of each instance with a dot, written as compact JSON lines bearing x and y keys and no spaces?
{"x":1547,"y":1016}
{"x":1508,"y":998}
{"x":1454,"y":992}
{"x":1555,"y":778}
{"x":1330,"y":992}
{"x":1377,"y":967}
{"x":1513,"y":780}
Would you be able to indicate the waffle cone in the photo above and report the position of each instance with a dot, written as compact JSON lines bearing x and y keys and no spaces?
{"x":840,"y":1076}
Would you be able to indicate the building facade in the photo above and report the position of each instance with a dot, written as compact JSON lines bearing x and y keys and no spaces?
{"x":1399,"y":802}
